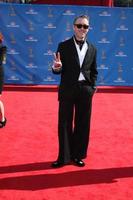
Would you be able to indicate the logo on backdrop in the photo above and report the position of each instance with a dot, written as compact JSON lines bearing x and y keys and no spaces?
{"x":13,"y":51}
{"x":104,"y":27}
{"x":12,"y":11}
{"x":31,"y":65}
{"x":50,"y":39}
{"x":50,"y":14}
{"x":13,"y":78}
{"x":30,"y":52}
{"x":103,"y":56}
{"x":123,"y":15}
{"x":120,"y":73}
{"x":120,"y":54}
{"x":104,"y":40}
{"x":50,"y":26}
{"x":49,"y":65}
{"x":49,"y":53}
{"x":31,"y":11}
{"x":101,"y":79}
{"x":68,"y":12}
{"x":102,"y":66}
{"x":13,"y":24}
{"x":31,"y":38}
{"x":122,"y":41}
{"x":105,"y":13}
{"x":122,"y":27}
{"x":68,"y":26}
{"x":13,"y":65}
{"x":120,"y":70}
{"x":49,"y":79}
{"x":30,"y":25}
{"x":12,"y":38}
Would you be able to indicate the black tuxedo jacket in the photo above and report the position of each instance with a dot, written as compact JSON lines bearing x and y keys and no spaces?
{"x":71,"y":67}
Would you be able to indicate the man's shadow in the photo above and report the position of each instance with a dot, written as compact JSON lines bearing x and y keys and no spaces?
{"x":25,"y":167}
{"x":56,"y":180}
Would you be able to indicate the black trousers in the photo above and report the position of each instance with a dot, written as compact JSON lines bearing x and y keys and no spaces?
{"x":74,"y":123}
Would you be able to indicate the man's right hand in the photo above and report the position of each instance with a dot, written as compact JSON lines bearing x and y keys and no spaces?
{"x":57,"y":64}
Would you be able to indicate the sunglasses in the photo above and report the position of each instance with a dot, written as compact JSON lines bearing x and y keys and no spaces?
{"x":79,"y":26}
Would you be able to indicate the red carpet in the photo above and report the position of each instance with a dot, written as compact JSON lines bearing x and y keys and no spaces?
{"x":28,"y":145}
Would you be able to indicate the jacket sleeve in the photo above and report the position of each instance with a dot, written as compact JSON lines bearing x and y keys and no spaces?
{"x":94,"y":72}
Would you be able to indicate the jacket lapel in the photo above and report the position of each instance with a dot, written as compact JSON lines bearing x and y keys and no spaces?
{"x":74,"y":51}
{"x":88,"y":54}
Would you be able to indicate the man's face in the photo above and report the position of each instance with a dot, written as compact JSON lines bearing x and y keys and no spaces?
{"x":81,"y":28}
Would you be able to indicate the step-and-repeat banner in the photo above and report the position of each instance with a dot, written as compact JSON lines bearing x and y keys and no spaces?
{"x":32,"y":33}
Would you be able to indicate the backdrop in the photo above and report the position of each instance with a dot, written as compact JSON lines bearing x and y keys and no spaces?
{"x":32,"y":33}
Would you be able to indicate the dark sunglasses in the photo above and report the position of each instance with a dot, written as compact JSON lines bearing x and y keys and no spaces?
{"x":79,"y":26}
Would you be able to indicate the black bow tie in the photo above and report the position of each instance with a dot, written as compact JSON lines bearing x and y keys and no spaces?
{"x":79,"y":42}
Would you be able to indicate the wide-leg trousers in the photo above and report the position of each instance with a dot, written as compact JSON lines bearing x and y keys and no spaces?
{"x":74,"y":123}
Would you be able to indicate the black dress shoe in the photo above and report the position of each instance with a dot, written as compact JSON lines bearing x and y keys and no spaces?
{"x":3,"y":123}
{"x":78,"y":162}
{"x":57,"y":164}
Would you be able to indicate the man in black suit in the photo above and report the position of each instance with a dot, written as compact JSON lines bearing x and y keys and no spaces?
{"x":75,"y":60}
